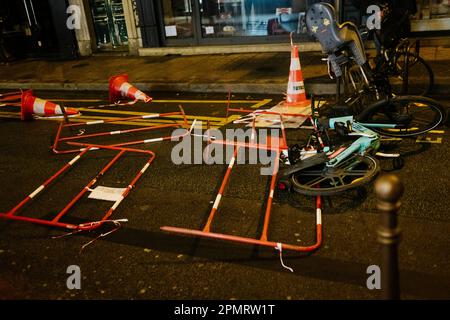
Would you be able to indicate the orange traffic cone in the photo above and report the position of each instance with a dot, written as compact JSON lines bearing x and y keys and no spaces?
{"x":31,"y":105}
{"x":296,"y":94}
{"x":120,"y":88}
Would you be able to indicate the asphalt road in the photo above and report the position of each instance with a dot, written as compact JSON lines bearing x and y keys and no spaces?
{"x":139,"y":261}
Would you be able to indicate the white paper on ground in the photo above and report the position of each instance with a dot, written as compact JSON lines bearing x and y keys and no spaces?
{"x":106,"y":193}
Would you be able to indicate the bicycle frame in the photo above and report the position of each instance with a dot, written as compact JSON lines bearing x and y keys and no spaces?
{"x":367,"y":142}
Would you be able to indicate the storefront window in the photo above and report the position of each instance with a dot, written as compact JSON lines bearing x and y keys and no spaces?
{"x":433,"y":9}
{"x":178,"y":18}
{"x":432,"y":15}
{"x":226,"y":18}
{"x":215,"y":19}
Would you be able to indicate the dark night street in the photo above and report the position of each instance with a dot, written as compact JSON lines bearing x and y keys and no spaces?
{"x":139,"y":261}
{"x":224,"y":159}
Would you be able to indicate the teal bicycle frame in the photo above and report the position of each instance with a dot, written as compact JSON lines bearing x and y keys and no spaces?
{"x":368,"y":140}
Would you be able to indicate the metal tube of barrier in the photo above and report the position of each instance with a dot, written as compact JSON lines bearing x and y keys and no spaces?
{"x":59,"y":139}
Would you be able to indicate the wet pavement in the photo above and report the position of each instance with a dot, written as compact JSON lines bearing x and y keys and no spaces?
{"x":139,"y":261}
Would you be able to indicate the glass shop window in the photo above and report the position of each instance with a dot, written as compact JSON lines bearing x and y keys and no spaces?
{"x":178,"y":18}
{"x":226,"y":18}
{"x":432,"y":9}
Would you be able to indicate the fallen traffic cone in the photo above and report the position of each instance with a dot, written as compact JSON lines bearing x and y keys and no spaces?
{"x":32,"y":105}
{"x":120,"y":88}
{"x":296,"y":94}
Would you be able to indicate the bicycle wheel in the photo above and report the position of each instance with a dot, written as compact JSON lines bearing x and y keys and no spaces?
{"x":358,"y":88}
{"x":420,"y":76}
{"x":413,"y":115}
{"x":351,"y":173}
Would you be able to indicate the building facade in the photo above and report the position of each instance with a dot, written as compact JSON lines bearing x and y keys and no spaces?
{"x":138,"y":24}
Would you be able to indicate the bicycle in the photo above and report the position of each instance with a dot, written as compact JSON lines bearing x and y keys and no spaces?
{"x":404,"y":69}
{"x":330,"y":164}
{"x":369,"y":95}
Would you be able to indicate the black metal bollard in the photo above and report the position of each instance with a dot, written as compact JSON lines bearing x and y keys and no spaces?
{"x":389,"y":190}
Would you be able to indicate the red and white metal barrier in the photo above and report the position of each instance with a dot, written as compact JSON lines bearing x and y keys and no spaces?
{"x":10,"y":99}
{"x":263,"y":240}
{"x":62,"y":126}
{"x":13,"y":214}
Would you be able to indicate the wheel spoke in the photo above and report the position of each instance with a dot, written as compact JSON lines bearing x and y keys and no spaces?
{"x":315,"y":181}
{"x":333,"y":180}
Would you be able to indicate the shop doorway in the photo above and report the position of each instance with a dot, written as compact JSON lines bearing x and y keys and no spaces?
{"x":36,"y":29}
{"x":109,"y":25}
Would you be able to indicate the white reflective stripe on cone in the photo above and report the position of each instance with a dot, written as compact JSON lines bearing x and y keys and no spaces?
{"x":139,"y":95}
{"x":295,"y":64}
{"x":124,"y":88}
{"x":39,"y":106}
{"x":296,"y":87}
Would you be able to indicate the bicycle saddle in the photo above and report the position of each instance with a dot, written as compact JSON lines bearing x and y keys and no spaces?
{"x":322,"y":25}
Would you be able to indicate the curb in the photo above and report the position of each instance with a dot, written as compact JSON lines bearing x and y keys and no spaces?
{"x":312,"y":87}
{"x":262,"y":88}
{"x":228,"y":49}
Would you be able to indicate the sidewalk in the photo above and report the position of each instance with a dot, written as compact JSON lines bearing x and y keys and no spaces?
{"x":244,"y":72}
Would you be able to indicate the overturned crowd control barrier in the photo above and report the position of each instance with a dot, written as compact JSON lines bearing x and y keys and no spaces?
{"x":10,"y":99}
{"x":276,"y":145}
{"x":13,"y":214}
{"x":85,"y":135}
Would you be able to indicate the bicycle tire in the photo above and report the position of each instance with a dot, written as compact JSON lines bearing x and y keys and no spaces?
{"x":419,"y":68}
{"x":391,"y":111}
{"x":358,"y":90}
{"x":322,"y":189}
